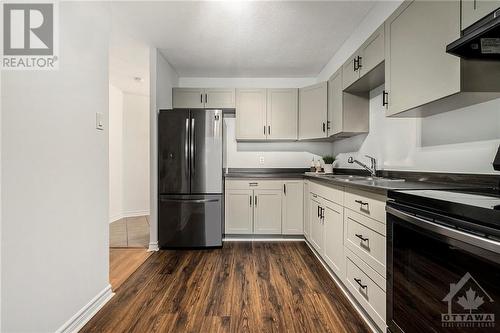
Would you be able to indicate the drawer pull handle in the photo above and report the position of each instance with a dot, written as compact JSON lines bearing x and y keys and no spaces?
{"x":362,"y":238}
{"x":358,"y":281}
{"x":253,"y":184}
{"x":362,"y":203}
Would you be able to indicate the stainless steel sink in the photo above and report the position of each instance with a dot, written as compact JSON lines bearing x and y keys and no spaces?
{"x":365,"y":179}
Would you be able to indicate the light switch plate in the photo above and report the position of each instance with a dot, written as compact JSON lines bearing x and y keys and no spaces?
{"x":99,"y":121}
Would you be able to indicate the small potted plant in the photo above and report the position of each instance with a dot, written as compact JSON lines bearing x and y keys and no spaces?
{"x":328,"y":163}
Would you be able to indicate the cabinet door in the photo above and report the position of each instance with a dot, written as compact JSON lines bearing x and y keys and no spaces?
{"x":307,"y":213}
{"x":293,"y":201}
{"x":335,"y":104}
{"x":372,"y":52}
{"x":316,"y":238}
{"x":282,"y":114}
{"x":334,"y":238}
{"x":417,"y":68}
{"x":219,"y":98}
{"x":350,"y":73}
{"x":239,"y":211}
{"x":251,"y":114}
{"x":267,"y":212}
{"x":188,"y":98}
{"x":474,"y":10}
{"x":313,"y":109}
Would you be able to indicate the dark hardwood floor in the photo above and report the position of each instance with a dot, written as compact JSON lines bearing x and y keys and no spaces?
{"x":243,"y":287}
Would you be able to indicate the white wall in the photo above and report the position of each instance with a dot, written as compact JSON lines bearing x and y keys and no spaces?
{"x":135,"y":155}
{"x":115,"y":153}
{"x":250,"y":82}
{"x":162,"y":79}
{"x":55,"y":178}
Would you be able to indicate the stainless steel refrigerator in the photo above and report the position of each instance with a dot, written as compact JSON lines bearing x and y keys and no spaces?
{"x":190,"y":195}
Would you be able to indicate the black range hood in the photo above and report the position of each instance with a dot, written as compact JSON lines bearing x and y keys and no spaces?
{"x":479,"y":41}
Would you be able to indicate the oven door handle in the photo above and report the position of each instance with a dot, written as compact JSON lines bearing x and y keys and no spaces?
{"x":462,"y":236}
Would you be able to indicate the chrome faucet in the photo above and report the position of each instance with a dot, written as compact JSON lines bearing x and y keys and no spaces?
{"x":372,"y":169}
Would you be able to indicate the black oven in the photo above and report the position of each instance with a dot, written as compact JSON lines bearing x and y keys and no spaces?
{"x":443,"y":272}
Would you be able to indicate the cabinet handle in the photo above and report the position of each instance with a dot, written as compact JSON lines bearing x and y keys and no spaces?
{"x":361,"y":237}
{"x":253,"y":184}
{"x":324,"y":127}
{"x":319,"y":214}
{"x":206,"y":98}
{"x":328,"y":122}
{"x":362,"y":203}
{"x":358,"y":281}
{"x":360,"y":62}
{"x":322,"y":214}
{"x":269,"y":130}
{"x":264,"y":129}
{"x":255,"y":201}
{"x":250,"y":201}
{"x":385,"y":98}
{"x":354,"y":63}
{"x":284,"y":189}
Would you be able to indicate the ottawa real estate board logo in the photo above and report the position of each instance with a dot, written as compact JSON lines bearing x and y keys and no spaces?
{"x":29,"y":35}
{"x":469,"y":305}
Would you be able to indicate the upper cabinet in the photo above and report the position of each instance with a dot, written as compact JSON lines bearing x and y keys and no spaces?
{"x":313,"y":109}
{"x":191,"y":98}
{"x":251,"y":114}
{"x":474,"y":10}
{"x":418,"y":70}
{"x":266,"y":114}
{"x":282,"y":114}
{"x":348,"y":114}
{"x":364,"y":70}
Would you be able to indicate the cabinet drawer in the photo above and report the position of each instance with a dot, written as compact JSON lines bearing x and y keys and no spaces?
{"x":367,"y":292}
{"x":331,"y":193}
{"x":366,"y":203}
{"x":245,"y":184}
{"x":366,"y":238}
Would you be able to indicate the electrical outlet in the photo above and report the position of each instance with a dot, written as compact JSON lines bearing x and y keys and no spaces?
{"x":261,"y":160}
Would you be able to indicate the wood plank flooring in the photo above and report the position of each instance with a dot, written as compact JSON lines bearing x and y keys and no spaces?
{"x":243,"y":287}
{"x":123,"y":262}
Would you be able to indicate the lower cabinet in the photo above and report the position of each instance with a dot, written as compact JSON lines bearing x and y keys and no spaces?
{"x":333,"y":227}
{"x":239,"y":211}
{"x":265,"y":207}
{"x":267,"y":212}
{"x":316,"y":220}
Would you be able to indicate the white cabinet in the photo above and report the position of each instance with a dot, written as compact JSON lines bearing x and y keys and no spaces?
{"x":348,"y":114}
{"x":307,"y":205}
{"x":191,"y":98}
{"x":239,"y":211}
{"x":267,"y":212}
{"x":333,"y":224}
{"x":474,"y":10}
{"x":220,"y":98}
{"x":350,"y":71}
{"x":417,"y":68}
{"x":313,"y":109}
{"x":251,"y":114}
{"x":293,"y":201}
{"x":282,"y":114}
{"x":253,"y":206}
{"x":372,"y":52}
{"x":316,"y":220}
{"x":188,"y":98}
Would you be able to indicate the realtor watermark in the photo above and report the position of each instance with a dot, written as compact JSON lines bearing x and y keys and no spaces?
{"x":468,"y":305}
{"x":29,"y":35}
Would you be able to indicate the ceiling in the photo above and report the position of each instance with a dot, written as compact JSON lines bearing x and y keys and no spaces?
{"x":236,"y":38}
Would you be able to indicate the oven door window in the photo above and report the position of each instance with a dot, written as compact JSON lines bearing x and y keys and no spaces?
{"x":440,"y":284}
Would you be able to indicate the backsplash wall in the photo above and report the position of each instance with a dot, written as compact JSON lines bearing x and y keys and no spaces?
{"x":460,"y":141}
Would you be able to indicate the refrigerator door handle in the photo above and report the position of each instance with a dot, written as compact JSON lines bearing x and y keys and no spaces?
{"x":193,"y":158}
{"x":186,"y":146}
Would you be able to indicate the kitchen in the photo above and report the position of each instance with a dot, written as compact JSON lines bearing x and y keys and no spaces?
{"x":360,"y":194}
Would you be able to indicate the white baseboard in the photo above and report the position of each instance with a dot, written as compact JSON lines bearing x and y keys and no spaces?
{"x":153,"y":247}
{"x":75,"y":323}
{"x":346,"y":292}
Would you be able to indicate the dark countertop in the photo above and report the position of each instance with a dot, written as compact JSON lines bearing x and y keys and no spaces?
{"x":377,"y":185}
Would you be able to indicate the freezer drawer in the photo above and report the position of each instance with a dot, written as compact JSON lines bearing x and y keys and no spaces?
{"x":190,"y":221}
